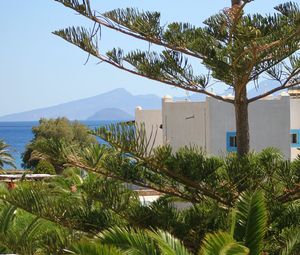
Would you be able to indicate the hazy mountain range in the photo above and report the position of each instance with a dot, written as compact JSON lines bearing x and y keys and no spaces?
{"x":119,"y":99}
{"x":117,"y":104}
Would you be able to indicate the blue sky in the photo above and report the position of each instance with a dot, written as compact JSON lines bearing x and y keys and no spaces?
{"x":38,"y":69}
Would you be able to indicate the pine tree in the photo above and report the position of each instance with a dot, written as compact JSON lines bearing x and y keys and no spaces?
{"x":236,"y":48}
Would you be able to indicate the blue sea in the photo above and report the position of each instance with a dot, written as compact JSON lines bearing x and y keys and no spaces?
{"x":18,"y":135}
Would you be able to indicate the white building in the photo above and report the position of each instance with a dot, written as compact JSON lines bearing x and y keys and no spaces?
{"x":274,"y":122}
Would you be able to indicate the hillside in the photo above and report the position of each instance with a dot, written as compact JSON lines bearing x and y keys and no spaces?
{"x":111,"y":114}
{"x":83,"y":109}
{"x":116,"y":103}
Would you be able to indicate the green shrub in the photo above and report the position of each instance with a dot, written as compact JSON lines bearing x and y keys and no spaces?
{"x":50,"y":136}
{"x":44,"y":167}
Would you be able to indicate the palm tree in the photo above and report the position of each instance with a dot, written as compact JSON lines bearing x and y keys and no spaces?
{"x":5,"y":157}
{"x":54,"y":214}
{"x":246,"y":236}
{"x":23,"y":233}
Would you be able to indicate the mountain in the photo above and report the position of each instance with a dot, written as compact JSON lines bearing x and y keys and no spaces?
{"x":263,"y":87}
{"x":85,"y":108}
{"x":111,"y":114}
{"x":195,"y":97}
{"x":118,"y":102}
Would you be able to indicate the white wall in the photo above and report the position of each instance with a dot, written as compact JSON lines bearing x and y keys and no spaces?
{"x":205,"y":124}
{"x":220,"y":120}
{"x":295,"y":121}
{"x":147,"y":200}
{"x":184,"y":124}
{"x":152,"y":120}
{"x":270,"y":124}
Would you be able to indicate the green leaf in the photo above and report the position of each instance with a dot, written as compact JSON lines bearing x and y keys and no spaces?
{"x":167,"y":244}
{"x":85,"y":247}
{"x":291,"y":242}
{"x":251,"y":221}
{"x":134,"y":242}
{"x":6,"y":217}
{"x":222,"y":243}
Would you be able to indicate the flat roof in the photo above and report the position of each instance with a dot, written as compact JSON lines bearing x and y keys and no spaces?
{"x":10,"y":177}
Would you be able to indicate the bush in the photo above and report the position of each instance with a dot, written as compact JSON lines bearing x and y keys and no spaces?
{"x":50,"y":136}
{"x":44,"y":167}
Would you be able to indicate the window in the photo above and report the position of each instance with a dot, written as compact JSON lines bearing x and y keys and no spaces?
{"x":231,"y":143}
{"x":295,"y":138}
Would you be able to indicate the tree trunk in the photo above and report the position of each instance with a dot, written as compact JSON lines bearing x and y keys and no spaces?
{"x":236,"y":2}
{"x":241,"y":114}
{"x":242,"y":123}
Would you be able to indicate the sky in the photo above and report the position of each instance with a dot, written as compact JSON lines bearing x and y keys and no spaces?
{"x":38,"y":69}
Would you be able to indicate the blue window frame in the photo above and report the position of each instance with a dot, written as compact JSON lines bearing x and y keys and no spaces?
{"x":231,"y":143}
{"x":295,"y":138}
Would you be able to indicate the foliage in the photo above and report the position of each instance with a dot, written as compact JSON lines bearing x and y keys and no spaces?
{"x":44,"y":167}
{"x":100,"y":204}
{"x":50,"y":137}
{"x":92,"y":248}
{"x":220,"y":44}
{"x":188,"y":173}
{"x":97,"y":205}
{"x":251,"y":221}
{"x":23,"y":233}
{"x":5,"y":157}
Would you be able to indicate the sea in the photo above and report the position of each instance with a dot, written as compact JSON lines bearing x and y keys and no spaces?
{"x":18,"y":134}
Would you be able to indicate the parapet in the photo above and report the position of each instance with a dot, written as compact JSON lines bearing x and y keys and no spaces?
{"x":167,"y":98}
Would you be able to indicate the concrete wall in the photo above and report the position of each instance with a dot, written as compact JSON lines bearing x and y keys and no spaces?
{"x":269,"y":124}
{"x":184,"y":124}
{"x":220,"y":120}
{"x":152,"y":119}
{"x":295,"y":121}
{"x":205,"y":124}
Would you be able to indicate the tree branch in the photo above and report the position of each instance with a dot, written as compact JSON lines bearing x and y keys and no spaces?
{"x":124,"y":30}
{"x":155,"y":167}
{"x":192,"y":87}
{"x":141,"y":184}
{"x":285,"y":85}
{"x":290,"y":195}
{"x":189,"y":183}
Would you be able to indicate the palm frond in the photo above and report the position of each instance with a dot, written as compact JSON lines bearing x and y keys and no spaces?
{"x":222,"y":243}
{"x":6,"y":218}
{"x":5,"y":156}
{"x":23,"y":233}
{"x":93,"y":248}
{"x":291,"y":241}
{"x":251,"y":221}
{"x":167,"y":244}
{"x":130,"y":241}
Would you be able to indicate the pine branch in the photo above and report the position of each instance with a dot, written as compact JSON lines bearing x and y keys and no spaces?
{"x":81,"y":38}
{"x":110,"y":21}
{"x":53,"y":205}
{"x":290,"y":195}
{"x":165,"y":190}
{"x":129,"y":145}
{"x":285,"y":85}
